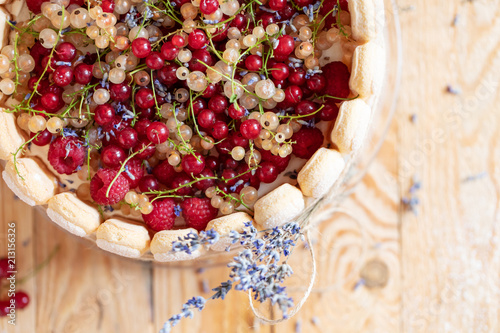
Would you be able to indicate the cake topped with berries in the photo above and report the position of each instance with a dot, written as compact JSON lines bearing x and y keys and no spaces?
{"x":136,"y":122}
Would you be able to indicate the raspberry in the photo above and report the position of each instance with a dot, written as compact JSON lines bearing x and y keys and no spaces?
{"x":66,"y":154}
{"x":134,"y":171}
{"x":337,"y":80}
{"x":198,"y":212}
{"x":280,"y":162}
{"x":165,"y":173}
{"x":100,"y":183}
{"x":308,"y":140}
{"x":163,"y":215}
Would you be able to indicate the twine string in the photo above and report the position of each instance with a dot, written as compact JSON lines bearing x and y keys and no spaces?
{"x":304,"y":298}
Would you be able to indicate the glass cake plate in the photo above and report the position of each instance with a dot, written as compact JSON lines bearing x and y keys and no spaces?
{"x":383,"y":110}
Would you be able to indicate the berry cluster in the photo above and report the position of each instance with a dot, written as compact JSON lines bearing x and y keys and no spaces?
{"x":175,"y":108}
{"x":19,"y":300}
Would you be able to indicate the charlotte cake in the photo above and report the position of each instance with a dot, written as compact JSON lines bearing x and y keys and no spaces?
{"x":162,"y":133}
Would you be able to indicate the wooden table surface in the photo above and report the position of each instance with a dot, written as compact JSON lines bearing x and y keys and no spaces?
{"x":382,"y":268}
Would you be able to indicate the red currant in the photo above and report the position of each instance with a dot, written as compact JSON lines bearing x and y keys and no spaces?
{"x":253,"y":62}
{"x":268,"y":172}
{"x":154,"y":60}
{"x":128,"y":138}
{"x":83,"y":73}
{"x":169,"y":51}
{"x":286,"y":45}
{"x":120,"y":92}
{"x":149,"y":183}
{"x":304,"y":108}
{"x":236,"y":111}
{"x":66,"y":51}
{"x":62,"y":76}
{"x":113,"y":156}
{"x":220,"y":130}
{"x":208,"y":7}
{"x":157,"y":132}
{"x":316,"y":83}
{"x":197,"y":39}
{"x":206,"y":118}
{"x":43,"y":138}
{"x":141,"y":47}
{"x":144,"y":98}
{"x":250,"y":129}
{"x":192,"y":164}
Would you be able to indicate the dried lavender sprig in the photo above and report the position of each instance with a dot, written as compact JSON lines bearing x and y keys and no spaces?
{"x":257,"y":269}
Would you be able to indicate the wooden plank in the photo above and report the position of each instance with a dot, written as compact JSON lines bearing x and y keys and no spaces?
{"x":86,"y":290}
{"x":450,"y":250}
{"x":14,"y":210}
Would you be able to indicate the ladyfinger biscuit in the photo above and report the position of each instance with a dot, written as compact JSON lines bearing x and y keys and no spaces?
{"x":4,"y":26}
{"x":223,"y":225}
{"x":351,"y":125}
{"x":73,"y":214}
{"x":320,"y":172}
{"x":281,"y":205}
{"x":29,"y":182}
{"x":18,"y":10}
{"x":161,"y":245}
{"x":11,"y":137}
{"x":123,"y":238}
{"x":367,"y":70}
{"x":363,"y":20}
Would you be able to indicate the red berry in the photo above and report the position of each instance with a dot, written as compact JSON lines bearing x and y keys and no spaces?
{"x":66,"y":51}
{"x":206,"y":118}
{"x":108,"y":6}
{"x":141,"y":127}
{"x":253,"y":62}
{"x":163,"y":215}
{"x":43,"y":138}
{"x":328,"y":113}
{"x":193,"y":165}
{"x":303,"y":3}
{"x":5,"y":307}
{"x":120,"y":92}
{"x":49,"y":63}
{"x":104,"y":114}
{"x":128,"y":138}
{"x":268,"y":172}
{"x":134,"y":171}
{"x":148,"y":149}
{"x":208,"y":7}
{"x":144,"y":98}
{"x":239,"y":21}
{"x":149,"y":183}
{"x":287,"y":12}
{"x":167,"y":75}
{"x":277,"y":4}
{"x":199,"y":59}
{"x":250,"y":129}
{"x":308,"y":140}
{"x":198,"y":212}
{"x":66,"y":154}
{"x":316,"y":83}
{"x":21,"y":299}
{"x":286,"y":45}
{"x":280,"y":162}
{"x":206,"y":183}
{"x":157,"y":132}
{"x":83,"y":73}
{"x":165,"y":173}
{"x":113,"y":156}
{"x":306,"y":107}
{"x":212,"y":162}
{"x":141,"y":47}
{"x":229,"y":176}
{"x":50,"y":101}
{"x":297,"y":77}
{"x":218,"y":103}
{"x":100,"y":184}
{"x":180,"y":180}
{"x":236,"y":111}
{"x":178,"y":41}
{"x":34,"y":6}
{"x":280,"y":71}
{"x":293,"y":95}
{"x":154,"y":60}
{"x":337,"y":80}
{"x":62,"y":76}
{"x":197,"y":39}
{"x":220,"y":130}
{"x":237,"y":139}
{"x":169,"y":51}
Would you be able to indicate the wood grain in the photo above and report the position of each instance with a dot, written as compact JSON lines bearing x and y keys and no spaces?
{"x":381,"y":268}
